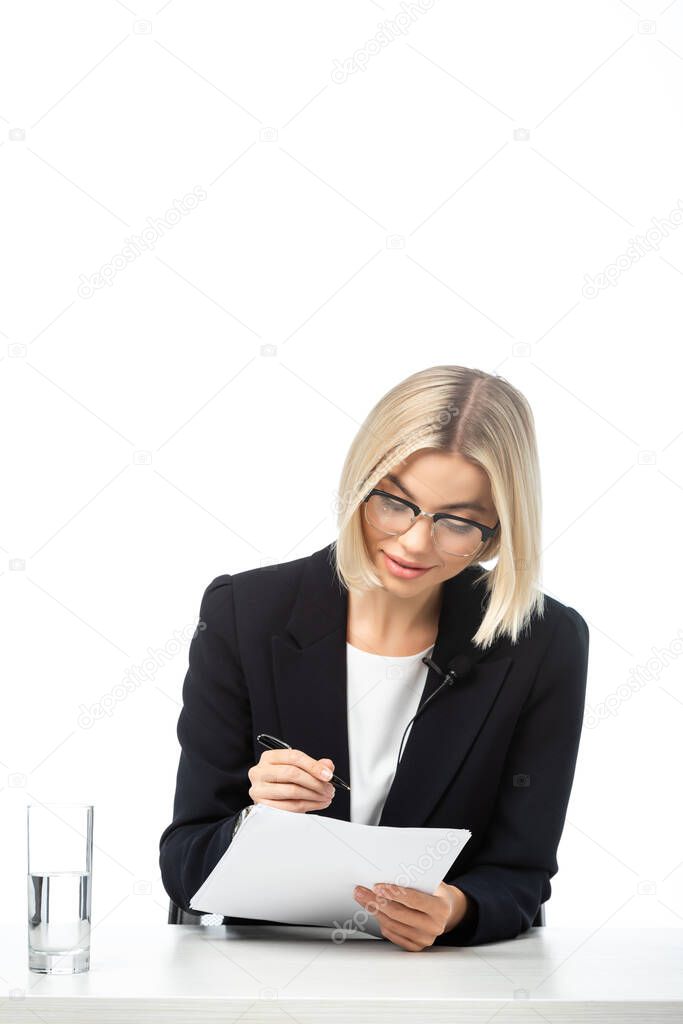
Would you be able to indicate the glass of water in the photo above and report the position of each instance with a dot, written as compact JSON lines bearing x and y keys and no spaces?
{"x":59,"y":887}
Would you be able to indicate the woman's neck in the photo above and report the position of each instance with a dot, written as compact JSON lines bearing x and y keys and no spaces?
{"x":382,"y":623}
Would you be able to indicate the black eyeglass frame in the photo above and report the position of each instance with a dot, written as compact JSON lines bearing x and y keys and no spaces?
{"x":486,"y":531}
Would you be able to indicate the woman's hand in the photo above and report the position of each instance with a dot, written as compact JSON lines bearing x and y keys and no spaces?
{"x":291,"y":780}
{"x":410,"y":918}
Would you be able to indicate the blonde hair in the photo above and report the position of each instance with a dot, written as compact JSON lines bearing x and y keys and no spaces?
{"x":488,"y":421}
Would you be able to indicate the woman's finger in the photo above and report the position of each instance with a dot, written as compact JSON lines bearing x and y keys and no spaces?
{"x":289,"y":791}
{"x":392,"y":909}
{"x":398,"y":912}
{"x":404,"y":941}
{"x":292,"y":805}
{"x":290,"y":773}
{"x":319,"y":771}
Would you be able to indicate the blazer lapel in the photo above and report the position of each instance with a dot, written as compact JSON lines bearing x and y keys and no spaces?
{"x":309,"y":664}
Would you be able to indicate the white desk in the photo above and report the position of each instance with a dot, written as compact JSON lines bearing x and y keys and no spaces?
{"x":194,"y":973}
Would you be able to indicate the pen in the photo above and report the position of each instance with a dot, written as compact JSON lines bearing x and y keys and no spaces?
{"x":273,"y":743}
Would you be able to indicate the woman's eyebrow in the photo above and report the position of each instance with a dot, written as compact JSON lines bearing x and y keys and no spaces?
{"x":475,"y":505}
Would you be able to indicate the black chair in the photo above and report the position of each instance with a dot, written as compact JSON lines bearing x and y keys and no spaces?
{"x":178,"y":916}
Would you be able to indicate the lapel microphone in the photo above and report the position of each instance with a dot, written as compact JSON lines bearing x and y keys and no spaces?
{"x":459,"y":666}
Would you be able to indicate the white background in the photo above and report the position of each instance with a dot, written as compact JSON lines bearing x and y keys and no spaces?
{"x":440,"y":199}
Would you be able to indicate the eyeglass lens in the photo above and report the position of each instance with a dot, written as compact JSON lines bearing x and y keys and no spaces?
{"x":451,"y":535}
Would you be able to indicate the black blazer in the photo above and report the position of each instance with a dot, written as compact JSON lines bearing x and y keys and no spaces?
{"x":495,"y":753}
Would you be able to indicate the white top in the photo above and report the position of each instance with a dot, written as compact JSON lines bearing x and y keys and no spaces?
{"x":382,"y":695}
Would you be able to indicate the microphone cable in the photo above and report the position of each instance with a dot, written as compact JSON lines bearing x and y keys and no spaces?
{"x":459,"y":667}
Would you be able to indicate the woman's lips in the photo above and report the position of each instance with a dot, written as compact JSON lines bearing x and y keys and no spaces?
{"x":402,"y":571}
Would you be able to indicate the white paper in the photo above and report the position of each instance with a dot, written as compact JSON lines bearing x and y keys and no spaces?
{"x":302,"y":868}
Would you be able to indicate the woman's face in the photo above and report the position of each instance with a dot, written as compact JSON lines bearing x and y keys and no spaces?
{"x":434,"y":480}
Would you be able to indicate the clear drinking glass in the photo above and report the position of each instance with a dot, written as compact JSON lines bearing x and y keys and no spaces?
{"x":59,"y":887}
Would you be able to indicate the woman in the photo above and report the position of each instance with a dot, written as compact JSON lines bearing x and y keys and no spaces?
{"x":326,"y":651}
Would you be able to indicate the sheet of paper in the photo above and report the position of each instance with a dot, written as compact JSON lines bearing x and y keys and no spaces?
{"x":303,"y":868}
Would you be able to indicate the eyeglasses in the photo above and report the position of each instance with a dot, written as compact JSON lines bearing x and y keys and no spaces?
{"x":454,"y":535}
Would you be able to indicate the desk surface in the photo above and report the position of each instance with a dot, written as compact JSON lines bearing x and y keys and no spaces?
{"x":196,"y":973}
